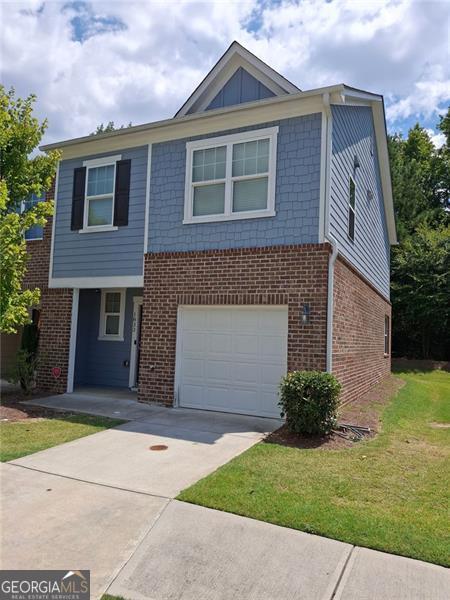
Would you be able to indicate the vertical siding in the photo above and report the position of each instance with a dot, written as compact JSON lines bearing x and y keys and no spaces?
{"x":100,"y":362}
{"x":241,"y":87}
{"x":105,"y":253}
{"x":353,"y":134}
{"x":296,"y":196}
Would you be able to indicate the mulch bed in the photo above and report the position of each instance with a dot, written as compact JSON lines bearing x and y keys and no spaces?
{"x":11,"y":408}
{"x":365,"y":412}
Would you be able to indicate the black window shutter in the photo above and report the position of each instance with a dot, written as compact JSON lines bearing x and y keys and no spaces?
{"x":122,"y":196}
{"x":79,"y":184}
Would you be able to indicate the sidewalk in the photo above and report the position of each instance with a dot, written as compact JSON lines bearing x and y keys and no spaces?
{"x":196,"y":553}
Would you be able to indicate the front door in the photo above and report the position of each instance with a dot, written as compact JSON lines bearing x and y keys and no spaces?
{"x":135,"y":342}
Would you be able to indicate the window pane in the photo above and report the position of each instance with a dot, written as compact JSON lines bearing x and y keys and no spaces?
{"x":209,"y":164}
{"x":100,"y":212}
{"x":250,"y":194}
{"x":100,"y":180}
{"x":209,"y":199}
{"x":352,"y":193}
{"x":112,"y":302}
{"x":351,"y":224}
{"x":112,"y":325}
{"x":250,"y":158}
{"x":34,"y":233}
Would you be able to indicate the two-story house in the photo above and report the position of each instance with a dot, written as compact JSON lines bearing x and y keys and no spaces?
{"x":199,"y":258}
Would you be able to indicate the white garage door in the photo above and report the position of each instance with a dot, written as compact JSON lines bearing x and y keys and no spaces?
{"x":231,"y":358}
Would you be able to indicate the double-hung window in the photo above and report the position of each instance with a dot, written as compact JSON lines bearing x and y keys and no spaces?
{"x":351,"y":209}
{"x":112,"y":314}
{"x":99,"y":197}
{"x":231,"y":177}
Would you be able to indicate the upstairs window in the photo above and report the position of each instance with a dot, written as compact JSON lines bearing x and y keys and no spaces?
{"x":100,"y":195}
{"x":112,"y":315}
{"x":37,"y":231}
{"x":231,"y":177}
{"x":351,"y":209}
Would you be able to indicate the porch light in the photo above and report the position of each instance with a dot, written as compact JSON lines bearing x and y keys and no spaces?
{"x":305,"y":314}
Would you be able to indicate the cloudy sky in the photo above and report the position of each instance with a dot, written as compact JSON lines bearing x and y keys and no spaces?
{"x":92,"y":62}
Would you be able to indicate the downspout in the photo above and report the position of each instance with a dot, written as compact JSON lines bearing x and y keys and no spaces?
{"x":327,"y":235}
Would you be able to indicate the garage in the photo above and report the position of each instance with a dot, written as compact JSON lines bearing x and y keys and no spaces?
{"x":231,"y":359}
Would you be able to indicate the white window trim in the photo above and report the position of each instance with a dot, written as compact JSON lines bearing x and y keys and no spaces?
{"x":228,"y":141}
{"x":93,"y":164}
{"x":102,"y":335}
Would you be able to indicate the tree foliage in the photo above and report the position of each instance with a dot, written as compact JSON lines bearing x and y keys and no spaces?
{"x":20,"y":176}
{"x":108,"y":128}
{"x":420,"y":268}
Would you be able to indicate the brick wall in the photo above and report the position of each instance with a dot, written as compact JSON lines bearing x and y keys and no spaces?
{"x":54,"y":339}
{"x":290,"y":275}
{"x":358,"y":332}
{"x":56,"y":311}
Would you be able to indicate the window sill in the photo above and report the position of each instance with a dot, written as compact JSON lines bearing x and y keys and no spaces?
{"x":110,"y":338}
{"x":34,"y":239}
{"x":233,"y":217}
{"x":98,"y":229}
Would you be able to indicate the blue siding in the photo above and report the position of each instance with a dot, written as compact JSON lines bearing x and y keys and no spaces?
{"x":241,"y":87}
{"x":353,"y":134}
{"x":296,"y":196}
{"x":100,"y":362}
{"x":107,"y":253}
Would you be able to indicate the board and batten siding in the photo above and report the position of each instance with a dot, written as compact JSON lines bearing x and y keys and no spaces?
{"x":106,"y":253}
{"x":296,"y":195}
{"x":101,"y":362}
{"x":241,"y":87}
{"x":353,"y":135}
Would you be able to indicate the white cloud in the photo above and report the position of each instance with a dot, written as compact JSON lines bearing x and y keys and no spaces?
{"x":437,"y":138}
{"x":140,"y":60}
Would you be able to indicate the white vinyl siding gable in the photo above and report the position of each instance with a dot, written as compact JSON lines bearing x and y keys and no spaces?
{"x":231,"y":177}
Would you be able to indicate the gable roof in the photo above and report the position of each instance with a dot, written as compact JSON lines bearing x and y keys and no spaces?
{"x":234,"y":58}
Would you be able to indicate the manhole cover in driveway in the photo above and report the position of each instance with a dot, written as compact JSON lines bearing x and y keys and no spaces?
{"x":158,"y":447}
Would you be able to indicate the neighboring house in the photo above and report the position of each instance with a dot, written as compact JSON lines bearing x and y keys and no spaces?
{"x":199,"y":258}
{"x":37,"y":262}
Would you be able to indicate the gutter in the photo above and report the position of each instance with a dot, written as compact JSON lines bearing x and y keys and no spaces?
{"x":327,"y":235}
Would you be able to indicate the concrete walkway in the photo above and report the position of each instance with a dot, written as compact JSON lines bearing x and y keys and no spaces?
{"x":105,"y":503}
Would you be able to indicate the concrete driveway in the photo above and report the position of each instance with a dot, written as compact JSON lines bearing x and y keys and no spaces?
{"x":196,"y":443}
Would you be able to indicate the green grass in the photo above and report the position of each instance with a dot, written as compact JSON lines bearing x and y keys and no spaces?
{"x":20,"y":438}
{"x":391,"y":493}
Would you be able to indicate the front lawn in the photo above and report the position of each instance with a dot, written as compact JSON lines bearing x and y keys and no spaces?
{"x":24,"y":437}
{"x":391,"y":493}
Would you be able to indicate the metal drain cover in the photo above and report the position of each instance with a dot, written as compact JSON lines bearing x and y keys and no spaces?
{"x":158,"y":447}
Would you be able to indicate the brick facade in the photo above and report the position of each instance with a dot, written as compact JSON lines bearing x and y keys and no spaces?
{"x":54,"y":339}
{"x":359,"y":361}
{"x":290,"y":275}
{"x":56,"y":311}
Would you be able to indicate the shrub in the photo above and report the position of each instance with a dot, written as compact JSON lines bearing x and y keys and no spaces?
{"x":309,"y":401}
{"x":24,"y":371}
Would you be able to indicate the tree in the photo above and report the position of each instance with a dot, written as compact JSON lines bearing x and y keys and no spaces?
{"x":20,"y":176}
{"x":108,"y":128}
{"x":421,"y":292}
{"x":420,"y":269}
